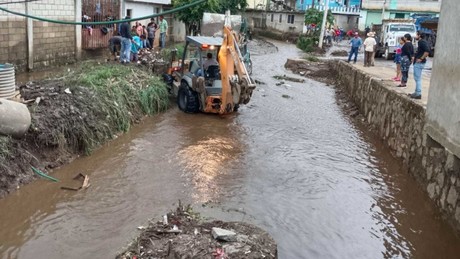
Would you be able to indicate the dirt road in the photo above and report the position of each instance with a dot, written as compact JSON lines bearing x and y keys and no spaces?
{"x":290,"y":162}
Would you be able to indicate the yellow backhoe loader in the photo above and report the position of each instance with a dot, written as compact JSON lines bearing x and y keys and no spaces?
{"x":212,"y":77}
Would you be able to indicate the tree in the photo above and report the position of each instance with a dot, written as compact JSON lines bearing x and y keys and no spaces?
{"x":315,"y":16}
{"x":193,"y":15}
{"x":235,"y":6}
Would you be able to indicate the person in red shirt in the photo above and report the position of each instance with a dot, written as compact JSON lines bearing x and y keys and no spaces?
{"x":139,"y":29}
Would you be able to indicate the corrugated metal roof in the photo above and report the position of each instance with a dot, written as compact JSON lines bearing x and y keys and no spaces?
{"x":200,"y":40}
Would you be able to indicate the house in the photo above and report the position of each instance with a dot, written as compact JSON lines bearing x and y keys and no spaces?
{"x":276,"y":21}
{"x":140,"y":8}
{"x":373,"y":11}
{"x":305,"y":4}
{"x":345,"y":12}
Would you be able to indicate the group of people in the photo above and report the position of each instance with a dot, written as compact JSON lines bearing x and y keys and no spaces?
{"x":132,"y":39}
{"x":405,"y":56}
{"x":334,"y":35}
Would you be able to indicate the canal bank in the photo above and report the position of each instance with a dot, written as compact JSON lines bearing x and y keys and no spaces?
{"x":291,"y":162}
{"x":400,"y":123}
{"x":75,"y":113}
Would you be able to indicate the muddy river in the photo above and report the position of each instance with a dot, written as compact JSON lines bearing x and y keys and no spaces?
{"x":290,"y":162}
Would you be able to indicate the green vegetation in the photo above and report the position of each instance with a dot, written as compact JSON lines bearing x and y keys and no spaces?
{"x":166,"y":52}
{"x":311,"y":58}
{"x":315,"y":16}
{"x":109,"y":98}
{"x":307,"y":43}
{"x":5,"y":147}
{"x":192,"y":16}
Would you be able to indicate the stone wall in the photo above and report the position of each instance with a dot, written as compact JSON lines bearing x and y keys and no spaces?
{"x":48,"y":44}
{"x":400,"y":122}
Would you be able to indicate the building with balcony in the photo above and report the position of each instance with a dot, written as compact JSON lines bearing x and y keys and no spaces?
{"x":334,"y":4}
{"x":373,"y":11}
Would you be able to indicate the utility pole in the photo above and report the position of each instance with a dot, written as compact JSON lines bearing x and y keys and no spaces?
{"x":323,"y":26}
{"x":383,"y":10}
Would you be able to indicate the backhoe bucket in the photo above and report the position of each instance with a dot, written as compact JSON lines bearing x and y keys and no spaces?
{"x":212,"y":24}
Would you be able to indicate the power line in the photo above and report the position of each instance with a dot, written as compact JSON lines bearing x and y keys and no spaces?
{"x":106,"y":22}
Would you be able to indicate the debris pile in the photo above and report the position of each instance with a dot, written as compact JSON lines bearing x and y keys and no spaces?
{"x":319,"y":71}
{"x":154,"y":61}
{"x":181,"y":234}
{"x":339,"y":53}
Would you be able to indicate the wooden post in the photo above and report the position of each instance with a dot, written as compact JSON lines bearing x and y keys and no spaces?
{"x":78,"y":30}
{"x":30,"y":37}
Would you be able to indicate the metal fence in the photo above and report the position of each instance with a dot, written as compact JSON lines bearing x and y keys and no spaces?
{"x":97,"y":36}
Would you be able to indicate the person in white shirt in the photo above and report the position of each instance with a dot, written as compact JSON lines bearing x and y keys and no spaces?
{"x":210,"y":61}
{"x":369,"y":47}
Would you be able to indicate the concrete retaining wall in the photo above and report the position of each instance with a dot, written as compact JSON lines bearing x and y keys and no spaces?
{"x":36,"y":44}
{"x":400,"y":122}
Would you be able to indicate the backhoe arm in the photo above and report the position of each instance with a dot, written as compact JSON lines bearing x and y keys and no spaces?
{"x":236,"y":88}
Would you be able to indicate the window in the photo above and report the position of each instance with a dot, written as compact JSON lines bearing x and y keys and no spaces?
{"x":271,"y":18}
{"x":281,"y":18}
{"x":290,"y":19}
{"x":400,"y":15}
{"x":129,"y":12}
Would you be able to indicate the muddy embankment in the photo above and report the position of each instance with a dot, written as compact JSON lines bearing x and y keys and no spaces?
{"x":75,"y":114}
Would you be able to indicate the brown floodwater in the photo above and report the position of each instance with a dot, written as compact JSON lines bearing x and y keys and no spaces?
{"x":319,"y":182}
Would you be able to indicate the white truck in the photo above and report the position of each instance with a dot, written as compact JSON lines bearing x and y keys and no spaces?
{"x":388,"y":34}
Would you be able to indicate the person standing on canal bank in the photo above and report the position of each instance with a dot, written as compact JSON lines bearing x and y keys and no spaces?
{"x":115,"y":46}
{"x":151,"y":29}
{"x":369,"y":46}
{"x":163,"y":31}
{"x":407,"y":53}
{"x":125,"y":33}
{"x":356,"y":43}
{"x":397,"y":60}
{"x":419,"y":63}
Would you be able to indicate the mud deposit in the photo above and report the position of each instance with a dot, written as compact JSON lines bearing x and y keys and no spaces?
{"x":74,"y":115}
{"x":339,"y":53}
{"x":319,"y":71}
{"x":196,"y":240}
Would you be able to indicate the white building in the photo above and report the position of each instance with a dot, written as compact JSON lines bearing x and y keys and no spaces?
{"x":372,"y":11}
{"x":140,"y":8}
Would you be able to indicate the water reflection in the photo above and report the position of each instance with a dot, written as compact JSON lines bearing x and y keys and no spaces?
{"x":204,"y":162}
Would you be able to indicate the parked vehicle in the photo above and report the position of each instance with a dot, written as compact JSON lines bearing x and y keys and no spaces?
{"x":388,"y":34}
{"x":427,"y":24}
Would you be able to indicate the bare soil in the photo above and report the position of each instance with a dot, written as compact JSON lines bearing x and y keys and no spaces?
{"x":195,"y":239}
{"x":319,"y":71}
{"x":339,"y":53}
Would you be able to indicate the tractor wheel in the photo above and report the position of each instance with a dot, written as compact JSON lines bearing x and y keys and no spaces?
{"x":187,"y":99}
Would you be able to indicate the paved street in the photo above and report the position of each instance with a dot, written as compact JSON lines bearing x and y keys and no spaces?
{"x":386,"y":70}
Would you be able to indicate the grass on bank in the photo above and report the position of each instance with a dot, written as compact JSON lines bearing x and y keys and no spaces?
{"x":311,"y":58}
{"x":5,"y":148}
{"x":109,"y":99}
